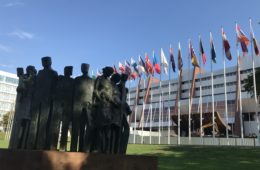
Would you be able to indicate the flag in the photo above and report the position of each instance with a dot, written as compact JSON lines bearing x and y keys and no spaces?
{"x":134,"y":65}
{"x":202,"y":52}
{"x":128,"y":69}
{"x":164,"y":61}
{"x":172,"y":59}
{"x":115,"y":70}
{"x":226,"y":45}
{"x":121,"y":67}
{"x":256,"y":47}
{"x":156,"y":65}
{"x":241,"y":37}
{"x":134,"y":75}
{"x":180,"y":63}
{"x":212,"y":49}
{"x":148,"y":65}
{"x":141,"y":66}
{"x":194,"y":60}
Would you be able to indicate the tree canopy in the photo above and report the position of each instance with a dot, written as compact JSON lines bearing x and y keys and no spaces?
{"x":249,"y":85}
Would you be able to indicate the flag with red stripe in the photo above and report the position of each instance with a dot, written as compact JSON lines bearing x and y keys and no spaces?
{"x":202,"y":52}
{"x":156,"y":65}
{"x":226,"y":45}
{"x":255,"y":43}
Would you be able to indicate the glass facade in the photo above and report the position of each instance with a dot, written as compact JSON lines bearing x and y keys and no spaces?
{"x":8,"y":85}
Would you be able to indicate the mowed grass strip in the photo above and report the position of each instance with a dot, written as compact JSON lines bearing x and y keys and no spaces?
{"x":195,"y":157}
{"x":200,"y":157}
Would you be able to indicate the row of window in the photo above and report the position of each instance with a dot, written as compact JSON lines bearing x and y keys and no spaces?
{"x":8,"y":79}
{"x":6,"y":106}
{"x":8,"y":88}
{"x":203,"y":79}
{"x":7,"y":97}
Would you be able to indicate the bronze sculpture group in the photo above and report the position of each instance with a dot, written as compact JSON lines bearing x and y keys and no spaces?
{"x":48,"y":106}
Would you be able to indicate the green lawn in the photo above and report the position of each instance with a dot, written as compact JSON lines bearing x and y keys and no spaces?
{"x":200,"y":157}
{"x":195,"y":157}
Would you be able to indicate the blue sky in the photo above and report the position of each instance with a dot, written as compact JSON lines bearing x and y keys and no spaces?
{"x":102,"y":32}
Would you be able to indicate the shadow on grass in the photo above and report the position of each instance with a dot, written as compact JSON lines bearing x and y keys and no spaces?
{"x":200,"y":157}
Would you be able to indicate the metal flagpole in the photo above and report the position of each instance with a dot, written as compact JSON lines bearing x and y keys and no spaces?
{"x":212,"y":94}
{"x":151,"y":115}
{"x":240,"y":97}
{"x":212,"y":88}
{"x":179,"y":111}
{"x":200,"y":101}
{"x":160,"y":106}
{"x":135,"y":122}
{"x":225,"y":93}
{"x":169,"y":108}
{"x":189,"y":100}
{"x":254,"y":81}
{"x":136,"y":103}
{"x":142,"y":119}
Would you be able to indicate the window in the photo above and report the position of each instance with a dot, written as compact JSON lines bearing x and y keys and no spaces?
{"x":11,"y":80}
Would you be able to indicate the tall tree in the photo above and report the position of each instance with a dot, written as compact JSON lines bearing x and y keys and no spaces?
{"x":249,"y":85}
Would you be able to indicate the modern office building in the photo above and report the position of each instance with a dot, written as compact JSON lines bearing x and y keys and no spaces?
{"x":159,"y":115}
{"x":8,"y":85}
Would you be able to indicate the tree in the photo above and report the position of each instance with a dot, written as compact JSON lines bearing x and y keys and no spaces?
{"x":249,"y":85}
{"x":5,"y":120}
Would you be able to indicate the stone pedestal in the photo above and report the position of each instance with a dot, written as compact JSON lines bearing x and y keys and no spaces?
{"x":54,"y":160}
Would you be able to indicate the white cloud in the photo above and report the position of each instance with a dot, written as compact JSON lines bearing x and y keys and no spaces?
{"x":5,"y":48}
{"x":15,"y":3}
{"x":22,"y":34}
{"x":6,"y":66}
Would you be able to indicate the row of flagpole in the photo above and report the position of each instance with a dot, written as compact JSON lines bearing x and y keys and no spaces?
{"x":148,"y":68}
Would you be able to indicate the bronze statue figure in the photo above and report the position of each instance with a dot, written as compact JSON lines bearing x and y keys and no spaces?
{"x":42,"y":106}
{"x":62,"y":109}
{"x":125,"y":130}
{"x":19,"y":111}
{"x":102,"y":111}
{"x":82,"y":107}
{"x":96,"y":108}
{"x":116,"y":114}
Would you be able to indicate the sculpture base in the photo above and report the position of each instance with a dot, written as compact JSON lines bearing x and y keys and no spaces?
{"x":54,"y":160}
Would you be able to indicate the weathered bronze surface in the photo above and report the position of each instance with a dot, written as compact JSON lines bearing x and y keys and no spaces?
{"x":49,"y":106}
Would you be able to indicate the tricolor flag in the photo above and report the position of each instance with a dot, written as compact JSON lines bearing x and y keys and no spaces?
{"x":121,"y":67}
{"x":194,"y":60}
{"x":202,"y":52}
{"x":134,"y":65}
{"x":128,"y":69}
{"x":156,"y":65}
{"x":253,"y":39}
{"x":212,"y":49}
{"x":241,"y":37}
{"x":180,"y":63}
{"x":141,"y":66}
{"x":226,"y":45}
{"x":172,"y":59}
{"x":164,"y":62}
{"x":148,"y":65}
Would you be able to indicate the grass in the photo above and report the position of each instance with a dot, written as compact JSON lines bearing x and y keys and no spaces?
{"x":194,"y":157}
{"x":200,"y":157}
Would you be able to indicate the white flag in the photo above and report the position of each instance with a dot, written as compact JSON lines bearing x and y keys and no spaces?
{"x":164,"y":62}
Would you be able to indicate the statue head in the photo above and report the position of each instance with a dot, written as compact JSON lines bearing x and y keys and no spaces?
{"x":68,"y":70}
{"x":84,"y":68}
{"x":46,"y":62}
{"x":19,"y":71}
{"x":115,"y":78}
{"x":31,"y":70}
{"x":107,"y":71}
{"x":124,"y":77}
